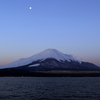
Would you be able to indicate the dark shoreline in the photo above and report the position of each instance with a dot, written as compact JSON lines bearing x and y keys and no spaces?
{"x":43,"y":74}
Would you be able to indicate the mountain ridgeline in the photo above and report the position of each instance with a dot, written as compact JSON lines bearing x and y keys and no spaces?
{"x":50,"y":62}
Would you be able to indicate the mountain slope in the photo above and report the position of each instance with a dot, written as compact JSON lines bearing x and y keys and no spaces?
{"x":50,"y":62}
{"x":49,"y":53}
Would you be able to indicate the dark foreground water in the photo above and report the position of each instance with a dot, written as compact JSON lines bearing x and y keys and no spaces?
{"x":49,"y":88}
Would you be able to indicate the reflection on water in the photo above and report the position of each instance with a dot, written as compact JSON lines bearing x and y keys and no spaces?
{"x":49,"y":88}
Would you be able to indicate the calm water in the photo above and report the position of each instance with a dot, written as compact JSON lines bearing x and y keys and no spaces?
{"x":49,"y":88}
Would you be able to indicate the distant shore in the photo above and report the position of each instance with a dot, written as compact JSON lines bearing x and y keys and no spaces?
{"x":52,"y":73}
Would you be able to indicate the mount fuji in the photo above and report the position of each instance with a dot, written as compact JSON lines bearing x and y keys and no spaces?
{"x":47,"y":60}
{"x":49,"y":53}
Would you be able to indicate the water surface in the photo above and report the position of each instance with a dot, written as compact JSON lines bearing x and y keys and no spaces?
{"x":49,"y":88}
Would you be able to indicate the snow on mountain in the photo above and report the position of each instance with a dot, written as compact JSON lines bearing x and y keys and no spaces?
{"x":34,"y":65}
{"x":73,"y":58}
{"x":48,"y":53}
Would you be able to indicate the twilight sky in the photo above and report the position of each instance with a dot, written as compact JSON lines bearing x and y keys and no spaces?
{"x":70,"y":26}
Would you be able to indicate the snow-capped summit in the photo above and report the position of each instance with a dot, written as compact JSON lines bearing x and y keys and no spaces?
{"x":53,"y":53}
{"x":48,"y":53}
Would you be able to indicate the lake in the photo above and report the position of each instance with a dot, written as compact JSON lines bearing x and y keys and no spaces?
{"x":49,"y":88}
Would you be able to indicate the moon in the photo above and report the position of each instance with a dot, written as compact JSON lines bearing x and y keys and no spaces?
{"x":30,"y":7}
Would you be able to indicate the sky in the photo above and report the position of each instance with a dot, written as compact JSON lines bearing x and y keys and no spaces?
{"x":70,"y":26}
